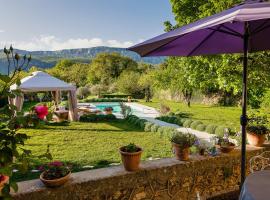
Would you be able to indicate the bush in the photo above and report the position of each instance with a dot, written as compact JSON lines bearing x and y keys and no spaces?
{"x":96,"y":118}
{"x":142,"y":123}
{"x":187,"y":123}
{"x":119,"y":96}
{"x":220,"y":131}
{"x":210,"y":128}
{"x":166,"y":131}
{"x":148,"y":126}
{"x":154,"y":128}
{"x":201,"y":127}
{"x":172,"y":120}
{"x":194,"y":124}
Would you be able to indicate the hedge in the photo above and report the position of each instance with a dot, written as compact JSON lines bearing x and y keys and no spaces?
{"x":220,"y":131}
{"x":154,"y":128}
{"x":194,"y":124}
{"x":105,"y":100}
{"x":115,"y":95}
{"x":210,"y":128}
{"x":97,"y":118}
{"x":201,"y":127}
{"x":147,"y":127}
{"x":187,"y":123}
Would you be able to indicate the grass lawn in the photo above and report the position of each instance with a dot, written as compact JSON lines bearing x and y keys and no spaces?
{"x":94,"y":144}
{"x":225,"y":116}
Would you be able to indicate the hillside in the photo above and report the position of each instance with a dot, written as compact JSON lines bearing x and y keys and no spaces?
{"x":47,"y":59}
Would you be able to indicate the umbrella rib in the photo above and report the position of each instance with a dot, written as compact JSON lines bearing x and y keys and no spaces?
{"x":161,"y":45}
{"x":205,"y":39}
{"x":261,"y":29}
{"x":227,"y":32}
{"x":232,"y":31}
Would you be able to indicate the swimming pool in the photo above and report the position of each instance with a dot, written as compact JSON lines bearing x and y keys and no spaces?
{"x":116,"y":106}
{"x":136,"y":109}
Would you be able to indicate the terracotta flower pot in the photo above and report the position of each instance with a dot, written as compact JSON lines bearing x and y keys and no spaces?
{"x":226,"y":149}
{"x":55,"y":182}
{"x":131,"y":161}
{"x":3,"y":182}
{"x":255,"y":139}
{"x":180,"y":153}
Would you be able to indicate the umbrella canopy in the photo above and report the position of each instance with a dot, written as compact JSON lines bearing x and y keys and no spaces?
{"x":218,"y":34}
{"x":242,"y":29}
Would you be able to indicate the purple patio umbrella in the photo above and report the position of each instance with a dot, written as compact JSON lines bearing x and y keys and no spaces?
{"x":244,"y":28}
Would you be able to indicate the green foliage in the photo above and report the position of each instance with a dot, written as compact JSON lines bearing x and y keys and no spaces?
{"x":125,"y":110}
{"x":258,"y":123}
{"x":184,"y":140}
{"x":97,"y":118}
{"x":148,"y":126}
{"x":71,"y":72}
{"x":13,"y":155}
{"x":210,"y":128}
{"x":194,"y":124}
{"x":220,"y":131}
{"x":220,"y":74}
{"x":187,"y":123}
{"x":128,"y":83}
{"x":107,"y":67}
{"x":130,"y":148}
{"x":154,"y":128}
{"x":201,"y":127}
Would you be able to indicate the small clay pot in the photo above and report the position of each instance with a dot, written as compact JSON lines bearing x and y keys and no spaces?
{"x":180,"y":153}
{"x":201,"y":152}
{"x":255,"y":139}
{"x":131,"y":161}
{"x":226,"y":149}
{"x":55,"y":182}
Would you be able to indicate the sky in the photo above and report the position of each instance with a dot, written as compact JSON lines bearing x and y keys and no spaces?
{"x":65,"y":24}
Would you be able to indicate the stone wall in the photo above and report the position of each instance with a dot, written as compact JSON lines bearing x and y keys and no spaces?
{"x":161,"y":179}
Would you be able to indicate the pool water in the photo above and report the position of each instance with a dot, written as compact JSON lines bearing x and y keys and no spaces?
{"x":116,"y":106}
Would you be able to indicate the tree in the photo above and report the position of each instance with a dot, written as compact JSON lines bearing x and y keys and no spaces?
{"x":71,"y":72}
{"x":107,"y":67}
{"x":128,"y":83}
{"x":219,"y":74}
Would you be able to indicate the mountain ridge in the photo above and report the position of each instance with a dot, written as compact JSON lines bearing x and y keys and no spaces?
{"x":47,"y":59}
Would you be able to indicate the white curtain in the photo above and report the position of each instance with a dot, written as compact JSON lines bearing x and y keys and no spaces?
{"x":17,"y":101}
{"x":73,"y":113}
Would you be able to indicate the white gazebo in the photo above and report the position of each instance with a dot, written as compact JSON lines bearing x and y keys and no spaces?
{"x":42,"y":82}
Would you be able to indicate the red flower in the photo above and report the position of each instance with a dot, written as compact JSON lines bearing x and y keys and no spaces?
{"x":42,"y":111}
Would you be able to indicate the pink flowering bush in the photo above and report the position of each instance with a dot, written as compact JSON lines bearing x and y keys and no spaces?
{"x":41,"y":111}
{"x":54,"y":170}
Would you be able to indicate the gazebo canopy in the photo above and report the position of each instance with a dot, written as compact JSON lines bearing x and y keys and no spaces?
{"x":40,"y":81}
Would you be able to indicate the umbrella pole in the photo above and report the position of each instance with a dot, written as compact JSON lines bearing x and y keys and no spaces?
{"x":244,"y":118}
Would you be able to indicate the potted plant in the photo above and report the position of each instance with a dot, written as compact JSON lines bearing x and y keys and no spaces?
{"x":108,"y":110}
{"x":224,"y":145}
{"x":131,"y":156}
{"x":202,"y":146}
{"x":3,"y":180}
{"x":129,"y":99}
{"x":256,"y":130}
{"x":55,"y":174}
{"x":181,"y":143}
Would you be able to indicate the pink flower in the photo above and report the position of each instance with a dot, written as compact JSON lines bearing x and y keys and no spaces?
{"x":42,"y":111}
{"x":56,"y":164}
{"x":41,"y":168}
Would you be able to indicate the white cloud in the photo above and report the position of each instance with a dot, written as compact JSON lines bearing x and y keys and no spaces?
{"x":2,"y":31}
{"x":50,"y":42}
